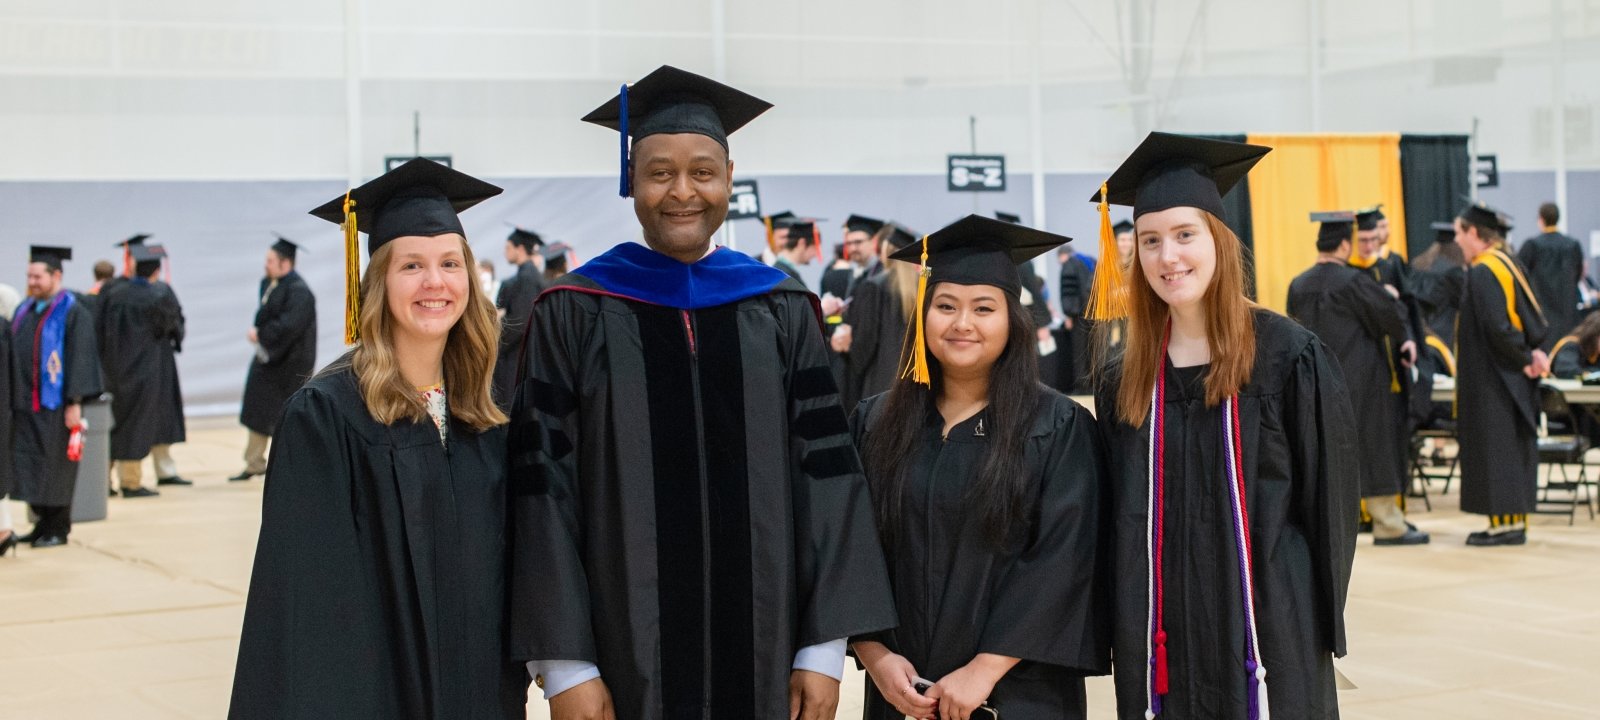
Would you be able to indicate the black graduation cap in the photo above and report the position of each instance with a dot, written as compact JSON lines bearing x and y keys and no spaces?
{"x":976,"y":250}
{"x":899,"y":235}
{"x":420,"y":197}
{"x":1337,"y":227}
{"x":146,"y":258}
{"x":1007,"y":217}
{"x":1481,"y":214}
{"x":554,"y":250}
{"x":51,"y":255}
{"x":804,"y":228}
{"x":1122,"y":226}
{"x":780,"y":219}
{"x":1444,"y":232}
{"x":135,"y":240}
{"x":1367,"y":218}
{"x":1168,"y":171}
{"x":674,"y":101}
{"x":862,"y":223}
{"x":524,"y":238}
{"x":285,"y":248}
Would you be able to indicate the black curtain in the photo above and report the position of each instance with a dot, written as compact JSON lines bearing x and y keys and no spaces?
{"x":1434,"y":172}
{"x":1236,"y":206}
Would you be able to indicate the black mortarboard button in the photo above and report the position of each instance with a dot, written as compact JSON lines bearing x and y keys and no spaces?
{"x":51,"y":255}
{"x":1168,"y":171}
{"x":977,"y":250}
{"x":524,"y":238}
{"x":285,"y":248}
{"x":1367,"y":218}
{"x":420,"y":197}
{"x":1007,"y":217}
{"x":1122,"y":226}
{"x":1444,"y":232}
{"x":1481,"y":214}
{"x":899,"y":235}
{"x":1337,"y":227}
{"x":674,"y":101}
{"x":862,"y":223}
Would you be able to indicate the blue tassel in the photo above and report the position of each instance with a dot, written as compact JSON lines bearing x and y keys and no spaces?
{"x":622,"y":102}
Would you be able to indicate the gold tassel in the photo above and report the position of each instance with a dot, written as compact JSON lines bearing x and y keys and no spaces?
{"x":772,"y":245}
{"x":1109,"y":296}
{"x":352,"y":274}
{"x":917,"y":367}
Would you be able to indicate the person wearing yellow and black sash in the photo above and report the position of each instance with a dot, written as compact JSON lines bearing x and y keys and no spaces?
{"x":1499,"y":361}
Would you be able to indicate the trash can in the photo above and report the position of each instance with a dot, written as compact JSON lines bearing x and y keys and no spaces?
{"x":89,"y":498}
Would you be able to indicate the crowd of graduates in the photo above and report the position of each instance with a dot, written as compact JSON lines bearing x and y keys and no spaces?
{"x":675,"y":482}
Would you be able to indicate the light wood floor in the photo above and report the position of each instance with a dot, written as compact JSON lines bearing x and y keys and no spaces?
{"x":139,"y":617}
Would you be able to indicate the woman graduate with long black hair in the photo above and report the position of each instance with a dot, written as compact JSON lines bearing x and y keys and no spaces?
{"x":379,"y":588}
{"x":987,"y":487}
{"x":1231,"y":444}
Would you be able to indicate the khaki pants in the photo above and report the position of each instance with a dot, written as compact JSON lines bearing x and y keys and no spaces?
{"x":130,"y":472}
{"x":1388,"y":520}
{"x":255,"y":453}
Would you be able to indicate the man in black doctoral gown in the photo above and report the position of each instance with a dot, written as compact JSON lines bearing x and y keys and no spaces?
{"x":515,"y":303}
{"x":55,"y":366}
{"x":692,"y":533}
{"x":1352,"y":315}
{"x":143,"y":330}
{"x":285,"y":336}
{"x":1499,"y":364}
{"x":1555,"y":267}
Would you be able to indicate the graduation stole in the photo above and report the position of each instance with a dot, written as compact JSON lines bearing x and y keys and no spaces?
{"x":1505,"y":271}
{"x":49,"y":341}
{"x":1157,"y":678}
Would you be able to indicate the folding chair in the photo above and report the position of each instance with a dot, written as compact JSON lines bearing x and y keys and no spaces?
{"x":1562,"y":445}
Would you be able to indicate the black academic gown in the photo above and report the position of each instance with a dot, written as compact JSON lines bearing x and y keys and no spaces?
{"x":1077,"y":280}
{"x":1043,"y":598}
{"x":1301,"y":486}
{"x":1567,"y":360}
{"x":877,"y":332}
{"x":1554,"y":263}
{"x":517,"y":294}
{"x":1438,"y":293}
{"x":44,"y":475}
{"x":143,"y":326}
{"x":1352,"y":314}
{"x":789,"y":269}
{"x":8,"y":484}
{"x":1497,"y":406}
{"x":379,"y":588}
{"x":688,"y":508}
{"x":837,"y":281}
{"x":286,"y":333}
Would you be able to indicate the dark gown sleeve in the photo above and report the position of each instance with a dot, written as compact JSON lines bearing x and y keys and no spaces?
{"x":1375,"y":308}
{"x":1053,"y":604}
{"x":83,"y":379}
{"x":280,"y":331}
{"x":1567,"y":363}
{"x":1072,"y":290}
{"x":1507,"y":345}
{"x":1320,"y":425}
{"x":308,"y":590}
{"x":550,"y":616}
{"x":841,"y":579}
{"x":865,"y":317}
{"x":170,"y":323}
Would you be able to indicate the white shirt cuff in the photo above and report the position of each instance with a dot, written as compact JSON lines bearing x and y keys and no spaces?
{"x":824,"y":658}
{"x":560,"y":676}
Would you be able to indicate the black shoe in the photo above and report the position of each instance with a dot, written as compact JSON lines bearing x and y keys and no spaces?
{"x":1365,"y":528}
{"x":113,"y":492}
{"x":1484,"y":538}
{"x":174,"y":480}
{"x":30,"y":537}
{"x":141,"y":492}
{"x":245,"y":475}
{"x":1413,"y":536}
{"x":49,"y":541}
{"x":7,"y":544}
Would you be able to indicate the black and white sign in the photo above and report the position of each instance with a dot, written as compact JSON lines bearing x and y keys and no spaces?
{"x":1486,"y":171}
{"x":391,"y":162}
{"x":976,"y":173}
{"x":745,"y":202}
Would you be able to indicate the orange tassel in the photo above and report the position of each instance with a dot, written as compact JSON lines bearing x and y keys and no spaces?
{"x":772,"y":245}
{"x":352,"y":274}
{"x":1108,"y":298}
{"x":917,"y":367}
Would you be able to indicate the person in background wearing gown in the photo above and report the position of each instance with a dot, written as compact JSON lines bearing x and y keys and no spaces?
{"x":284,"y":334}
{"x":55,"y":367}
{"x":874,"y":329}
{"x":692,"y":534}
{"x":515,"y":306}
{"x":1233,"y":544}
{"x":144,"y":330}
{"x":1555,"y":268}
{"x":1352,"y":314}
{"x":988,"y":489}
{"x":379,"y":588}
{"x":1499,"y":364}
{"x":1575,"y":357}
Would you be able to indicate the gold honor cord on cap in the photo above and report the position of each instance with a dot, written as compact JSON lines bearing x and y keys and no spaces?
{"x":1108,"y":299}
{"x":917,"y":367}
{"x":352,"y":274}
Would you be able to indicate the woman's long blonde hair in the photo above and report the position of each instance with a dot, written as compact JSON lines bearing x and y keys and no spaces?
{"x":469,"y":354}
{"x":1230,"y":329}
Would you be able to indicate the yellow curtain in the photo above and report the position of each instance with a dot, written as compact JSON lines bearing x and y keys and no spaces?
{"x":1308,"y":173}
